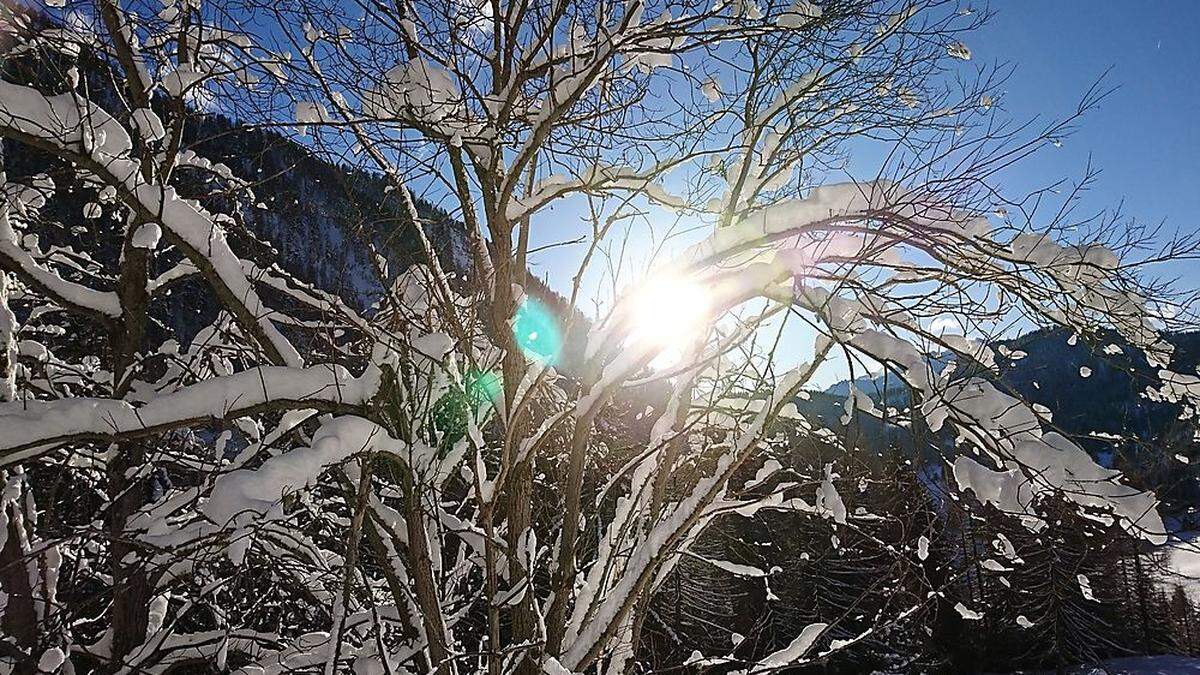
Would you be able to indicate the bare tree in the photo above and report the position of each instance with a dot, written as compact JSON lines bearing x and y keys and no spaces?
{"x":423,"y":487}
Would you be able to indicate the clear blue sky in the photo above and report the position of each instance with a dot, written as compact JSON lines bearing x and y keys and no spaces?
{"x":1146,"y":136}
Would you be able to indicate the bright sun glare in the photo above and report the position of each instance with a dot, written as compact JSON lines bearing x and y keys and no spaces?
{"x":665,"y":315}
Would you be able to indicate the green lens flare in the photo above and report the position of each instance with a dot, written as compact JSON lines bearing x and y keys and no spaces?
{"x":482,"y":386}
{"x":536,"y":331}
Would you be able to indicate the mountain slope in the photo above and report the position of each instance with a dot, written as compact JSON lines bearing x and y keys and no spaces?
{"x":1095,"y":393}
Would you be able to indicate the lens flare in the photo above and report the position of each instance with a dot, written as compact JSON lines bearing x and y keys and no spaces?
{"x":535,"y":328}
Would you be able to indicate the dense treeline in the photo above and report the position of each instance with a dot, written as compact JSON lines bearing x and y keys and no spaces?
{"x":992,"y":595}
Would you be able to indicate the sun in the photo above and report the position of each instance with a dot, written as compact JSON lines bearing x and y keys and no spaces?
{"x":665,"y":315}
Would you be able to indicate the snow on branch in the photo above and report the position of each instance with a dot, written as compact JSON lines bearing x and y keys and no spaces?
{"x":35,"y":426}
{"x":95,"y":140}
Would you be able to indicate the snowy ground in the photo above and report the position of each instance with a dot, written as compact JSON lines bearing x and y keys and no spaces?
{"x":1183,"y":563}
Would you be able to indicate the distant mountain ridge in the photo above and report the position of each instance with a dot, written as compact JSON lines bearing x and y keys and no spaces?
{"x":1081,"y":383}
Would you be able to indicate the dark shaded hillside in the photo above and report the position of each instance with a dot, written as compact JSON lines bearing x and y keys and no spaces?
{"x":1093,"y":390}
{"x":316,"y":218}
{"x":320,"y":218}
{"x":1109,"y":399}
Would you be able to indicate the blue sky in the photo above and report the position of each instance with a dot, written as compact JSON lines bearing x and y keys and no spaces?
{"x":1145,"y":137}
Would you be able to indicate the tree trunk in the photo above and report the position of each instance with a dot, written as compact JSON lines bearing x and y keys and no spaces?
{"x":130,"y":587}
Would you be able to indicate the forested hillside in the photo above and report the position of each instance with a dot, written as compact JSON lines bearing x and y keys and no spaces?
{"x":1096,"y":393}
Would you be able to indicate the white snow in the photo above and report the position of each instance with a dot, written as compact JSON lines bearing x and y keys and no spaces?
{"x":1085,"y":586}
{"x":309,"y":112}
{"x":148,"y":124}
{"x":51,"y":660}
{"x":419,"y":89}
{"x":146,"y":236}
{"x":237,"y":497}
{"x":959,"y":50}
{"x":795,"y":650}
{"x":967,"y":613}
{"x":828,"y":501}
{"x":32,"y":423}
{"x":798,"y":14}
